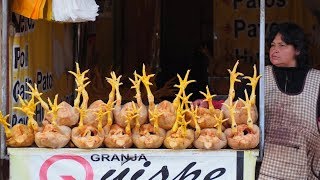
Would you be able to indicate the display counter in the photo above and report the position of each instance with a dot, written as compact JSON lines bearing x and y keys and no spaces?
{"x":106,"y":163}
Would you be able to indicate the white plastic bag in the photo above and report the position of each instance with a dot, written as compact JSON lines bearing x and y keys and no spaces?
{"x":74,"y":10}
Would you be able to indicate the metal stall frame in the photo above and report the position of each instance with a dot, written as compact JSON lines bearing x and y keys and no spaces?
{"x":261,"y":82}
{"x":5,"y":74}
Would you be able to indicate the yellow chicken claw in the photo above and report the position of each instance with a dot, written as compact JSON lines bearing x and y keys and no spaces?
{"x":29,"y":107}
{"x":145,"y":79}
{"x":114,"y":82}
{"x":220,"y":121}
{"x":179,"y":116}
{"x":185,"y":100}
{"x":231,"y":109}
{"x":154,"y":118}
{"x":209,"y":98}
{"x":6,"y":125}
{"x":183,"y":83}
{"x":132,"y":114}
{"x":183,"y":127}
{"x":80,"y":79}
{"x":247,"y":105}
{"x":253,"y":83}
{"x":109,"y":107}
{"x":54,"y":109}
{"x":82,"y":113}
{"x":195,"y":117}
{"x":34,"y":92}
{"x":100,"y":114}
{"x":233,"y":78}
{"x":136,"y":85}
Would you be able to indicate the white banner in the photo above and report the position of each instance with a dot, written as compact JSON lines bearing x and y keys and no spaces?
{"x":101,"y":164}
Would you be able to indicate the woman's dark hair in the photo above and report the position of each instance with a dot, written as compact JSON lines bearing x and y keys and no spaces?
{"x":292,"y":34}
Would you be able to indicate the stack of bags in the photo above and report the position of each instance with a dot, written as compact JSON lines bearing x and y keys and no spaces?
{"x":57,"y":10}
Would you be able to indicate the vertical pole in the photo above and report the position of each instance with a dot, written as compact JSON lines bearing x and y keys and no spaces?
{"x":78,"y":43}
{"x":77,"y":54}
{"x":261,"y":71}
{"x":4,"y":73}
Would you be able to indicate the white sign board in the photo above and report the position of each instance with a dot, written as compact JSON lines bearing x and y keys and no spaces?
{"x":101,"y":164}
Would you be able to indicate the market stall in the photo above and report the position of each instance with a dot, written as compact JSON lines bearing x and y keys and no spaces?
{"x":174,"y":161}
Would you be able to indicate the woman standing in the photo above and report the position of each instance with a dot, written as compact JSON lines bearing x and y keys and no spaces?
{"x":292,"y":144}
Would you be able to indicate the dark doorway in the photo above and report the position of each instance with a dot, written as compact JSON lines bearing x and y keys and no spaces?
{"x":186,"y":32}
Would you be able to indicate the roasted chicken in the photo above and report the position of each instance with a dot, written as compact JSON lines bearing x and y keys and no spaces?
{"x":168,"y":109}
{"x":86,"y":136}
{"x":211,"y":138}
{"x":148,"y":135}
{"x":168,"y":114}
{"x":21,"y":135}
{"x":91,"y":115}
{"x":240,"y":113}
{"x":206,"y":115}
{"x":118,"y":137}
{"x":67,"y":115}
{"x":119,"y":112}
{"x":244,"y":136}
{"x":107,"y":118}
{"x":179,"y":137}
{"x":52,"y":135}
